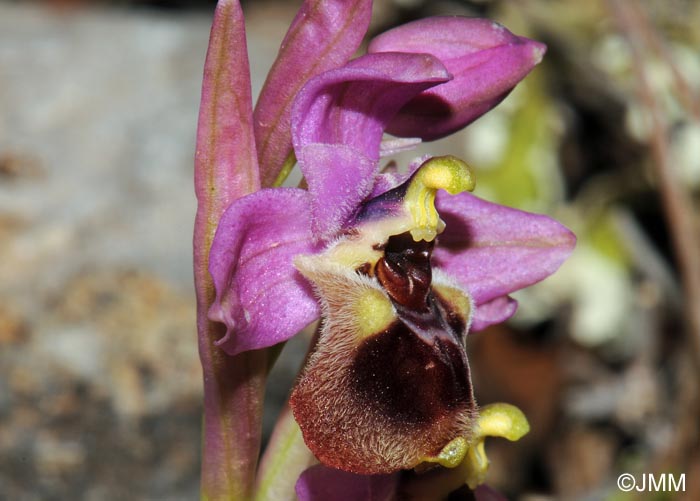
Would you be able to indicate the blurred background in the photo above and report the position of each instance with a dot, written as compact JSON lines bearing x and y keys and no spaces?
{"x":100,"y":384}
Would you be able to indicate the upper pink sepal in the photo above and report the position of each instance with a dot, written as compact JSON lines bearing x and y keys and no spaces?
{"x":323,"y":36}
{"x":337,"y":125}
{"x":486,"y":60}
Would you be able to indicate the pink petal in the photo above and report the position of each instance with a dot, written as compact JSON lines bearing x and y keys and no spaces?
{"x":321,"y":483}
{"x":487,"y":61}
{"x":323,"y":36}
{"x":260,"y":296}
{"x":493,"y":312}
{"x":494,"y":250}
{"x":338,"y":121}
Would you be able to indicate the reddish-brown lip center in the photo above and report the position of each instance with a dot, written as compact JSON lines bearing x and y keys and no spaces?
{"x":416,"y":370}
{"x":405,"y":273}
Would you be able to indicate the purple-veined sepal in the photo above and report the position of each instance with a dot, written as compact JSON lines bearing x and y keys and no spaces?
{"x":492,"y":250}
{"x":260,"y":296}
{"x":486,"y":60}
{"x":323,"y":36}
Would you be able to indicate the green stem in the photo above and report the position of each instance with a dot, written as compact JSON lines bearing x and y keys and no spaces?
{"x":225,"y":169}
{"x":287,"y":167}
{"x":285,"y":458}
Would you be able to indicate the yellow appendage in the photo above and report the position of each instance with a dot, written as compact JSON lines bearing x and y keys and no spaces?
{"x":438,"y":173}
{"x":495,"y":420}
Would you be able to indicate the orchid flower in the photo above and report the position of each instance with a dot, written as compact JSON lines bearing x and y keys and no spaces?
{"x":400,"y":266}
{"x":398,"y":287}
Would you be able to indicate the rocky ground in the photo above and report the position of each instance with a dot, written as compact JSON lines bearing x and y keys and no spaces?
{"x":99,"y":375}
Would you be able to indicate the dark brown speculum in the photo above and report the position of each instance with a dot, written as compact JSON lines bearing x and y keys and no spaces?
{"x":409,"y":381}
{"x":416,"y":370}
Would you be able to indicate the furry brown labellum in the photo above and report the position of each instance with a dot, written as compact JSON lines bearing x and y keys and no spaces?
{"x":388,"y":384}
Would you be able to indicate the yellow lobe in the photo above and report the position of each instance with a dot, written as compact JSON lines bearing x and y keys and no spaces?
{"x":356,"y":303}
{"x":456,"y":298}
{"x":374,"y":313}
{"x":451,"y":455}
{"x":352,"y":253}
{"x":438,"y":173}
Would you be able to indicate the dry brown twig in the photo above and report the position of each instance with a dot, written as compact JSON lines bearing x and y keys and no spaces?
{"x":679,"y":211}
{"x":684,"y":92}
